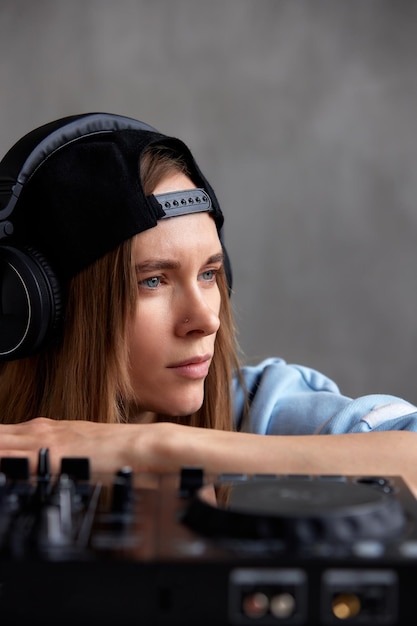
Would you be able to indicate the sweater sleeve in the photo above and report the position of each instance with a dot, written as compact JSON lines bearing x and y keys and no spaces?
{"x":289,"y":399}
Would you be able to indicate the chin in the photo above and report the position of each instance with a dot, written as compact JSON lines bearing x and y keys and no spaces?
{"x":182,"y":409}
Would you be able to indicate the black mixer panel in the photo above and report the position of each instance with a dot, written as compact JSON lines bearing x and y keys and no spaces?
{"x":199,"y":549}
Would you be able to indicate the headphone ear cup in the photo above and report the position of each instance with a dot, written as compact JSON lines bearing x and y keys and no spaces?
{"x":30,"y":302}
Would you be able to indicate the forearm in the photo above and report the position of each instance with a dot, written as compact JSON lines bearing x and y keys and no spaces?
{"x":378,"y":453}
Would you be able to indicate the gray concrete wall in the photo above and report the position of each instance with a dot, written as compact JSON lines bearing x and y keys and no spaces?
{"x":302,"y":114}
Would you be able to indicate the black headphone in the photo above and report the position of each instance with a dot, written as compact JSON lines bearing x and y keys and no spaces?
{"x":30,"y":295}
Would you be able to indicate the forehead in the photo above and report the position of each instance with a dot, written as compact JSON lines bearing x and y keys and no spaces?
{"x":181,"y":235}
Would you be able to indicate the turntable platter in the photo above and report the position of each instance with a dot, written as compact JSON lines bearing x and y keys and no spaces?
{"x":296,"y":510}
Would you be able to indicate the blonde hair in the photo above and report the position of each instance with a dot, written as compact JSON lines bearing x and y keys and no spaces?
{"x":85,"y":375}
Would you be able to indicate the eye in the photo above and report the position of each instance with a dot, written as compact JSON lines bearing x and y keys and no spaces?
{"x":209,"y":275}
{"x":151,"y":283}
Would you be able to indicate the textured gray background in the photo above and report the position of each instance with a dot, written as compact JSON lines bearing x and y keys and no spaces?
{"x":302,"y":114}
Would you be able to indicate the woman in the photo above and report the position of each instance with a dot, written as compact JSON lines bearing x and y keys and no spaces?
{"x":137,"y":363}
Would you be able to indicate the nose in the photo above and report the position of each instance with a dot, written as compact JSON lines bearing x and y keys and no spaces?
{"x":198,"y":314}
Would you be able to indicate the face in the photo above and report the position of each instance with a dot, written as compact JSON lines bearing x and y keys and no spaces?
{"x":172,"y":335}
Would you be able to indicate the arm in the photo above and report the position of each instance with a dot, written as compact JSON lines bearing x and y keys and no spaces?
{"x":167,"y":447}
{"x":376,"y":453}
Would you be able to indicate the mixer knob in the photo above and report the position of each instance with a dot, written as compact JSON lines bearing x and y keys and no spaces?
{"x":122,"y":490}
{"x":15,"y":468}
{"x":77,"y":468}
{"x":44,"y":474}
{"x":191,"y":479}
{"x":44,"y":464}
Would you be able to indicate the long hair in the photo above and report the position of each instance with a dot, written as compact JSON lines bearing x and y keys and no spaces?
{"x":85,"y":375}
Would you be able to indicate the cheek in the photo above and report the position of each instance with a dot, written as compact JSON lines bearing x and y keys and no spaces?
{"x":215,"y":302}
{"x":142,"y":362}
{"x":141,"y":336}
{"x":146,"y":335}
{"x":218,"y":301}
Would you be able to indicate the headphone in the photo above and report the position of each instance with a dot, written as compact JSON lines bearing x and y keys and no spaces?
{"x":30,"y":295}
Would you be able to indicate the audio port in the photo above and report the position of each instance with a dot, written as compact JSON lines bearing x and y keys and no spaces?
{"x":346,"y":605}
{"x":255,"y":605}
{"x":282,"y":605}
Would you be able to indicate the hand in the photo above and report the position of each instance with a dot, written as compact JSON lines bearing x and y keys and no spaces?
{"x":108,"y":446}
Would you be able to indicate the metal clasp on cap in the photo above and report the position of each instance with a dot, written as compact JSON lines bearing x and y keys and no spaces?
{"x":184,"y":202}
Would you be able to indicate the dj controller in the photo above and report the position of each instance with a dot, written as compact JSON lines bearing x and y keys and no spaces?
{"x":199,"y":549}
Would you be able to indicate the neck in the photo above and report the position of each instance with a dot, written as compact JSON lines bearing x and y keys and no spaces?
{"x":142,"y":417}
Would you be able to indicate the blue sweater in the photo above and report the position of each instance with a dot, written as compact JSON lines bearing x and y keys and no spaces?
{"x":295,"y":400}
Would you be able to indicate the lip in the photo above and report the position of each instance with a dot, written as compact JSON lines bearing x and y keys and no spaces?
{"x":194,"y":368}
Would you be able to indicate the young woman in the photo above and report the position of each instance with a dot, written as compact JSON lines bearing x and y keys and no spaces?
{"x":128,"y":356}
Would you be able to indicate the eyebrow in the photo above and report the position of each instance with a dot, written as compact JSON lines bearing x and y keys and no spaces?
{"x":155,"y":265}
